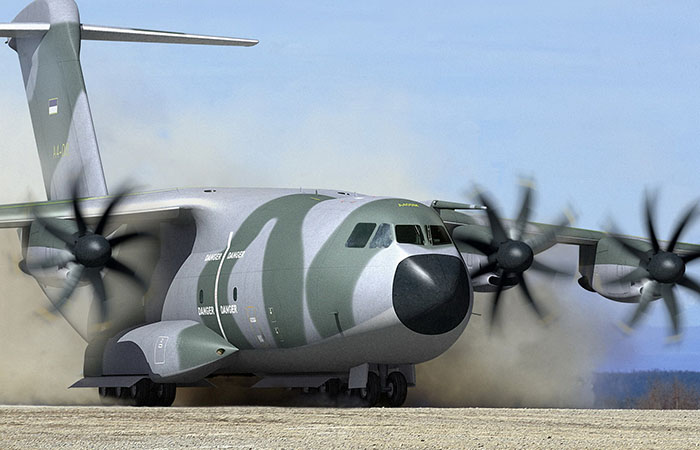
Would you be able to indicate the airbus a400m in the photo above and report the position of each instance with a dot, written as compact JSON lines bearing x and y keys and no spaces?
{"x":303,"y":288}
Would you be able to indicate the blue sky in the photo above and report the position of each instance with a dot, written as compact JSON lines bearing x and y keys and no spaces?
{"x":595,"y":100}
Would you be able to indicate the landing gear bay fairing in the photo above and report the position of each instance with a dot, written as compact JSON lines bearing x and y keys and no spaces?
{"x":304,"y":288}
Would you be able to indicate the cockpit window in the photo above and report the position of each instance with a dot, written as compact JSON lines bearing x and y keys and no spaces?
{"x":438,"y":235}
{"x":409,"y":234}
{"x":383,"y":237}
{"x":360,"y":235}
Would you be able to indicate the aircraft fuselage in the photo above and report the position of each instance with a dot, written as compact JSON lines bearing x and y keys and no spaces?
{"x":306,"y":280}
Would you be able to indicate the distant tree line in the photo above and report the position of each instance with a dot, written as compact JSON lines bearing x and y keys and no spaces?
{"x":647,"y":390}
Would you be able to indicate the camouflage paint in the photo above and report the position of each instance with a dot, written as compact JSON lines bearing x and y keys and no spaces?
{"x":204,"y":297}
{"x":51,"y":70}
{"x":336,"y":269}
{"x":195,"y":347}
{"x":283,"y":270}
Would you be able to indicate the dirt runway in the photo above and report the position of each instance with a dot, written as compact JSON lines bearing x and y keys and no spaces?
{"x":274,"y":427}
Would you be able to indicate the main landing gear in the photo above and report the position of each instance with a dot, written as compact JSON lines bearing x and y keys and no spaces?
{"x":391,"y":393}
{"x":143,"y":393}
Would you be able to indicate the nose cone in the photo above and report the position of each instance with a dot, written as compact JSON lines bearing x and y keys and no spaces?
{"x":431,"y":293}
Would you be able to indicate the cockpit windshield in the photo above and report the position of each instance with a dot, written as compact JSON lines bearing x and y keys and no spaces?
{"x":383,"y":237}
{"x":360,"y":235}
{"x":437,"y":235}
{"x":405,"y":234}
{"x":409,"y":234}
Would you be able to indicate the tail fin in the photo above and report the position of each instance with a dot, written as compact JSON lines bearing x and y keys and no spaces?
{"x":58,"y":103}
{"x":47,"y":36}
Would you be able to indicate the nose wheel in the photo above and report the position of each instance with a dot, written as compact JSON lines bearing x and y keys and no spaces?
{"x":371,"y":394}
{"x":396,"y":389}
{"x":393,"y":394}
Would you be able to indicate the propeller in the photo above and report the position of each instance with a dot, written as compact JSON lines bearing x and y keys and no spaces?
{"x":90,"y":252}
{"x":510,"y":255}
{"x":662,"y":267}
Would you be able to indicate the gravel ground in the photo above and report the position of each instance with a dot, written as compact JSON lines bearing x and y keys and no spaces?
{"x":270,"y":427}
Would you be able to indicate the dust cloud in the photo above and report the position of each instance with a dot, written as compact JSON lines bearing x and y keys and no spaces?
{"x":40,"y":359}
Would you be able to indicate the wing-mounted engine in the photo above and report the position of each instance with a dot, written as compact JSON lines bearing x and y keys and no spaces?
{"x":72,"y":247}
{"x":498,"y":256}
{"x":636,"y":271}
{"x":46,"y":257}
{"x":604,"y":266}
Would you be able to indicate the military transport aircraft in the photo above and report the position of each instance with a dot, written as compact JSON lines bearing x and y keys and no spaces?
{"x":321,"y":289}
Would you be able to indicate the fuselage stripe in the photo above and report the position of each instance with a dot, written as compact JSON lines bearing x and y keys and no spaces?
{"x":216,"y":286}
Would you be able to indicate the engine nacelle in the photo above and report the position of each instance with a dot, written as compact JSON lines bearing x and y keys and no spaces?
{"x":41,"y":247}
{"x":602,"y":265}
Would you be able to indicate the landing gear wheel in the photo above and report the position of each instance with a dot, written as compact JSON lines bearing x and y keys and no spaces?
{"x":124,"y":396}
{"x":164,"y":394}
{"x":153,"y":394}
{"x":370,"y":395}
{"x":141,"y":392}
{"x":108,"y":395}
{"x":398,"y":389}
{"x":333,"y":387}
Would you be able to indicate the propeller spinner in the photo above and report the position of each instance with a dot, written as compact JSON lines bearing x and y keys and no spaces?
{"x":90,"y":252}
{"x":510,"y":256}
{"x":662,"y":267}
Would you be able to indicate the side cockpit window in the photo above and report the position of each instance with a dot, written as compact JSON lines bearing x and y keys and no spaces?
{"x":437,"y":235}
{"x":383,"y":237}
{"x":360,"y":235}
{"x":409,"y":234}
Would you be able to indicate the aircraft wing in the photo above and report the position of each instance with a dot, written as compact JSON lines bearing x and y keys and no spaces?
{"x":582,"y":237}
{"x":23,"y":214}
{"x":564,"y":235}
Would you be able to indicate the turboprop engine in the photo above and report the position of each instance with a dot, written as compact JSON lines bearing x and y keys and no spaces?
{"x":633,"y":271}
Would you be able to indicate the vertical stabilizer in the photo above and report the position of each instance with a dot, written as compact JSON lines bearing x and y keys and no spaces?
{"x":58,"y":102}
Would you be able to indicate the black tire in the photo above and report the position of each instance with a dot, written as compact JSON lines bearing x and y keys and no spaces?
{"x":166,"y":394}
{"x":123,"y":396}
{"x":333,"y":387}
{"x":141,"y":392}
{"x":108,"y":395}
{"x":154,"y":394}
{"x":398,"y":389}
{"x":371,"y":394}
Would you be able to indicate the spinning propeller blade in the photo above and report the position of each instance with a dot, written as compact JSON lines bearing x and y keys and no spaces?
{"x":511,"y":255}
{"x":662,"y":267}
{"x":90,"y":252}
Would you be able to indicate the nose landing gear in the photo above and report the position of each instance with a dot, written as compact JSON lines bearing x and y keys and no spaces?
{"x":397,"y":389}
{"x":392,"y":393}
{"x":370,"y":394}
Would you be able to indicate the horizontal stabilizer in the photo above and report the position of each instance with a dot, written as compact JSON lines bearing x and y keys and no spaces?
{"x":20,"y":30}
{"x":101,"y":33}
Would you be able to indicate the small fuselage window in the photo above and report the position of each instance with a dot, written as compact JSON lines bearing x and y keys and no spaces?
{"x":383,"y":237}
{"x":360,"y":235}
{"x":409,"y":234}
{"x":437,"y":235}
